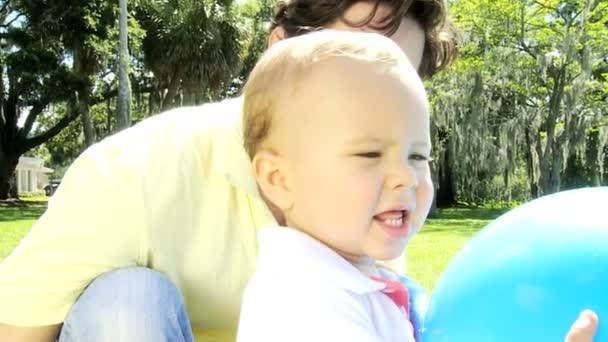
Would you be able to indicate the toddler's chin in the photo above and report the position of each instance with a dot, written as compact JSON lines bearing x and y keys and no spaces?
{"x":387,"y":255}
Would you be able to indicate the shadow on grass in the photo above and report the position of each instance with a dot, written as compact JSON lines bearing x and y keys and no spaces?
{"x":462,"y":229}
{"x":21,"y":210}
{"x":461,"y":221}
{"x":467,"y":213}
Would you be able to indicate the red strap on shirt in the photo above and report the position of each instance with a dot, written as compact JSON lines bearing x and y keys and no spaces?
{"x":397,"y":293}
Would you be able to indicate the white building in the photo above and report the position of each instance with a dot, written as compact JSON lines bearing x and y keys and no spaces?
{"x":31,"y":174}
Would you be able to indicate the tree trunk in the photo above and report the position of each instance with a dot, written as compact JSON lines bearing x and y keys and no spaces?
{"x":170,"y":97}
{"x":595,"y":156}
{"x":446,"y":195}
{"x":507,"y":182}
{"x":555,"y":180}
{"x":124,"y":87}
{"x":2,"y":116}
{"x":152,"y":100}
{"x":435,"y":179}
{"x":576,"y":174}
{"x":109,"y":116}
{"x":551,"y":157}
{"x":8,"y":185}
{"x":8,"y":132}
{"x":90,"y":135}
{"x":530,"y":165}
{"x":604,"y":175}
{"x":190,"y":98}
{"x":84,"y":95}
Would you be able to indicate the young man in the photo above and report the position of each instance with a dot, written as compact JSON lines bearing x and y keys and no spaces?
{"x":175,"y":196}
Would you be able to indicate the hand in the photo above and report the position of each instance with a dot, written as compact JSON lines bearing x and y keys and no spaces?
{"x":583,"y":330}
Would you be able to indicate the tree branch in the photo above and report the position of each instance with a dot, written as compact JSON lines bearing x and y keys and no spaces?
{"x":103,"y":97}
{"x":114,"y":92}
{"x":31,"y":117}
{"x":525,"y":48}
{"x":5,"y":6}
{"x":600,"y":10}
{"x":535,"y":13}
{"x":542,"y":27}
{"x":545,"y":6}
{"x":50,"y":133}
{"x":37,"y":109}
{"x":7,"y":25}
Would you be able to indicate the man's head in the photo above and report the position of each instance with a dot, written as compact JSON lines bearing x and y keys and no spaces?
{"x":421,"y":28}
{"x":337,"y":127}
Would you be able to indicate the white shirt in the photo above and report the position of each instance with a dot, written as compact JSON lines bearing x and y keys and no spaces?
{"x":303,"y":291}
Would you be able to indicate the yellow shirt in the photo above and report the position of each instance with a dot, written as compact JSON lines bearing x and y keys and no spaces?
{"x":174,"y":193}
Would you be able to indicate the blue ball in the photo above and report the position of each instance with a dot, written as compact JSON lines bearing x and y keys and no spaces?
{"x":527,"y":275}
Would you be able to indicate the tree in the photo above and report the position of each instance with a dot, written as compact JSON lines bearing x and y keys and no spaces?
{"x":191,"y":46}
{"x":257,"y":16}
{"x":124,"y":86}
{"x":526,"y":93}
{"x":85,"y":29}
{"x":51,"y":52}
{"x":33,"y":75}
{"x":566,"y":48}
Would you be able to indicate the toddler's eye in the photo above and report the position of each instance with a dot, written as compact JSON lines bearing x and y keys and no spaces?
{"x":419,"y":157}
{"x":370,"y":155}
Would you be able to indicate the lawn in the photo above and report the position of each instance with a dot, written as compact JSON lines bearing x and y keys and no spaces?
{"x":16,"y":220}
{"x":441,"y":238}
{"x":427,"y":256}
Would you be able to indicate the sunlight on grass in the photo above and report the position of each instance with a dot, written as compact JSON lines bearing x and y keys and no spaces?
{"x":427,"y":255}
{"x":16,"y":221}
{"x":440,"y":240}
{"x":11,"y":232}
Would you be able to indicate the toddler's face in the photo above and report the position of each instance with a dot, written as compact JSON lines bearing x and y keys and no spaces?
{"x":356,"y":142}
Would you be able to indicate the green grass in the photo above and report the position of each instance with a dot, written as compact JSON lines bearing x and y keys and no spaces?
{"x":16,"y":220}
{"x":427,"y":255}
{"x":440,"y":240}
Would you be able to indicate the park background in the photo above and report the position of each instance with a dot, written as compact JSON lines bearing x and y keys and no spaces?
{"x":522,"y":113}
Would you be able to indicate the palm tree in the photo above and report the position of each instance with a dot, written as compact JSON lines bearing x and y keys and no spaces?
{"x":191,"y":46}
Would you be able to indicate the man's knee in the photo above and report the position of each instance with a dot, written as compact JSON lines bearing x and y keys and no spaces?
{"x":130,"y":304}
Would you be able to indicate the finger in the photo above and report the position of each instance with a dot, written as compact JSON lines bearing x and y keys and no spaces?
{"x":583,"y":330}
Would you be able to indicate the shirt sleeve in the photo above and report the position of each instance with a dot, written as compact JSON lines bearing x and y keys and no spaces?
{"x":271,"y":314}
{"x":92,"y":225}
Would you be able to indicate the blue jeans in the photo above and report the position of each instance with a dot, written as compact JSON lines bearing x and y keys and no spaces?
{"x":138,"y":304}
{"x":128,"y":305}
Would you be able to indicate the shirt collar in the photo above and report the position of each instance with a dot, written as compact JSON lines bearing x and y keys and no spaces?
{"x":288,"y":249}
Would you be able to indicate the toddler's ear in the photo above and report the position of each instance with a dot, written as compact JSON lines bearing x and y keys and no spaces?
{"x":276,"y":35}
{"x":270,"y":173}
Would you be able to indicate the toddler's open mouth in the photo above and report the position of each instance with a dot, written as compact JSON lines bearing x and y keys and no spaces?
{"x":394,"y":222}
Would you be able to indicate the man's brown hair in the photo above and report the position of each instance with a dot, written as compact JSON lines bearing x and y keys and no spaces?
{"x":301,"y":16}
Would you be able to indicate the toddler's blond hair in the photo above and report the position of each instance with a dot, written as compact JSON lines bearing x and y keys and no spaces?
{"x":283,"y":68}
